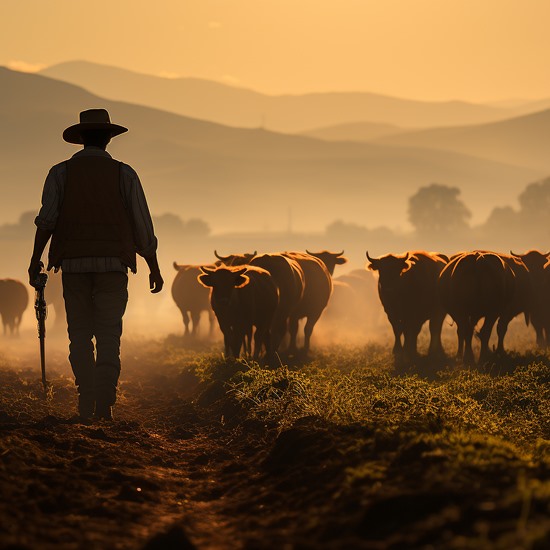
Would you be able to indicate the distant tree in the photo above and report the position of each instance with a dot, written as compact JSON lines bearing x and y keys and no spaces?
{"x":436,"y":209}
{"x":197,"y":228}
{"x":168,"y":223}
{"x":21,"y":229}
{"x":535,"y":203}
{"x":502,"y":219}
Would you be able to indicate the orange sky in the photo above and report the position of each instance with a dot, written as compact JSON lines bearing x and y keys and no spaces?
{"x":476,"y":50}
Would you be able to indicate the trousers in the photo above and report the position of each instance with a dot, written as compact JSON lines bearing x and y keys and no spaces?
{"x":95,"y":304}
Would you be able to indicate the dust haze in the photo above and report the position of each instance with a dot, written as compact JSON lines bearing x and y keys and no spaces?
{"x":235,"y":170}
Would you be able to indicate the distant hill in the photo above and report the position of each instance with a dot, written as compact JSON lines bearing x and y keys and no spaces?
{"x":522,"y":140}
{"x":354,"y":131}
{"x":207,"y":100}
{"x":235,"y":179}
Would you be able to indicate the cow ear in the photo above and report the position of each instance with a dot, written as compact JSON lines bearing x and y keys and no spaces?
{"x":205,"y":280}
{"x":373,"y":265}
{"x":341,"y":260}
{"x":242,"y":280}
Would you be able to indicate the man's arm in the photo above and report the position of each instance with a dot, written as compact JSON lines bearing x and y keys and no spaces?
{"x":144,"y":234}
{"x":47,"y":217}
{"x":40,"y":240}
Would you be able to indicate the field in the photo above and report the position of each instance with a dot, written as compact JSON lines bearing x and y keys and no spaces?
{"x":333,"y":452}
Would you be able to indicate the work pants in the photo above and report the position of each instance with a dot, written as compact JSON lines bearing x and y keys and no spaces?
{"x":95,"y":304}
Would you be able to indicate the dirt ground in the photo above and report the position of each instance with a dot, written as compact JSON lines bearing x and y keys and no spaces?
{"x":183,"y":467}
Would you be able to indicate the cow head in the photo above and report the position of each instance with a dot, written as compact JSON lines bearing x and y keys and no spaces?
{"x":391,"y":266}
{"x":534,"y":260}
{"x":330,"y":259}
{"x":235,"y":259}
{"x":222,"y":281}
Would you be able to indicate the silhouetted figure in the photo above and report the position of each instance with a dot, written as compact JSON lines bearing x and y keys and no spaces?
{"x":95,"y":210}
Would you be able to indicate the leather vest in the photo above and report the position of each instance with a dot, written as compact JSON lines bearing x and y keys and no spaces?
{"x":93,"y":221}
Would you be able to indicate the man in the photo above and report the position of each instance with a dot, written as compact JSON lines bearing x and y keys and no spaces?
{"x":95,"y":210}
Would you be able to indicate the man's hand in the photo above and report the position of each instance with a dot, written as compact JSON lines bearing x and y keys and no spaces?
{"x":34,"y":269}
{"x":155,"y":279}
{"x":156,"y":282}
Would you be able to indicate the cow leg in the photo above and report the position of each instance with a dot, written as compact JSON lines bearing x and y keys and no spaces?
{"x":262,"y":338}
{"x":185,"y":317}
{"x":278,"y":331}
{"x":484,"y":335}
{"x":195,"y":318}
{"x":237,"y":342}
{"x":465,"y":335}
{"x":397,"y":345}
{"x":308,"y":330}
{"x":410,"y":342}
{"x":436,"y":324}
{"x":293,"y":331}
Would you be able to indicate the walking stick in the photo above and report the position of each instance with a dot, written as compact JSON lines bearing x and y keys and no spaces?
{"x":41,"y":313}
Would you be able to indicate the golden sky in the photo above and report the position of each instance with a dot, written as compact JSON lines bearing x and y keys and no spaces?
{"x":479,"y":50}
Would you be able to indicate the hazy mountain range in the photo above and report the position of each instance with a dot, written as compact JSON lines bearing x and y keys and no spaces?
{"x":238,"y":179}
{"x":240,"y":107}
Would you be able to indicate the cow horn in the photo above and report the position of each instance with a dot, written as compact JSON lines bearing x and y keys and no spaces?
{"x":220,"y":257}
{"x":514,"y":254}
{"x":176,"y":266}
{"x":205,"y":269}
{"x":369,"y":258}
{"x":340,"y":253}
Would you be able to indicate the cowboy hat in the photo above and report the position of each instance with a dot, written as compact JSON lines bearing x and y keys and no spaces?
{"x":92,"y":119}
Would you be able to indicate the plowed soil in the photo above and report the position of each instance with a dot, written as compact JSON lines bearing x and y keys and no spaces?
{"x":183,"y":466}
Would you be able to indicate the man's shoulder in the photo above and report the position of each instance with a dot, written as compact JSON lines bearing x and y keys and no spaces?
{"x":59,"y":168}
{"x":127,"y":170}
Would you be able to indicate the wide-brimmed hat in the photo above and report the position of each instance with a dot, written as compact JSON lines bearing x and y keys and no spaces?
{"x":92,"y":119}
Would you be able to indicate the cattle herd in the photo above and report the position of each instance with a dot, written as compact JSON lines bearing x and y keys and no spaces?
{"x":259,"y":299}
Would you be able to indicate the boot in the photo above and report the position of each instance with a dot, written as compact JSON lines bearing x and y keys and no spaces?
{"x":104,"y":412}
{"x":104,"y":407}
{"x":86,"y":405}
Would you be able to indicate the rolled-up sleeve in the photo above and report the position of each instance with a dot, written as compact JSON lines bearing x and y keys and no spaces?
{"x":136,"y":203}
{"x":52,"y":197}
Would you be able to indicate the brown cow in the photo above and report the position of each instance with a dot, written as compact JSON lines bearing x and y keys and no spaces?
{"x":407,"y":286}
{"x":289,"y":278}
{"x":472,"y":286}
{"x":14,"y":300}
{"x":521,"y":300}
{"x":539,"y":313}
{"x":317,"y":291}
{"x":330,"y":259}
{"x":191,"y":297}
{"x":242,"y":298}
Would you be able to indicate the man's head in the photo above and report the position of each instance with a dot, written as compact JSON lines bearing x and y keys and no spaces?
{"x":95,"y":138}
{"x":95,"y":126}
